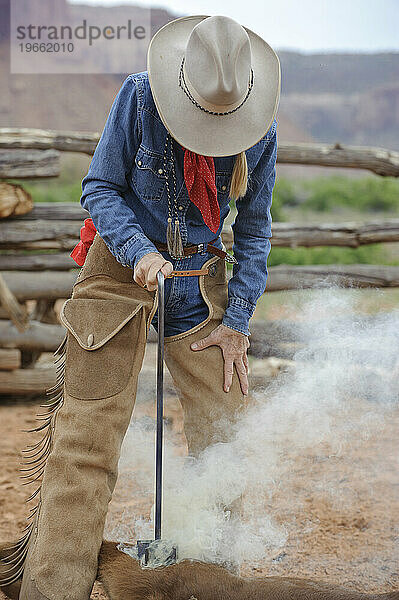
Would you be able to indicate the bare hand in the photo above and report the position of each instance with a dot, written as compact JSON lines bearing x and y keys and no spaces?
{"x":234,"y":346}
{"x":145,"y":271}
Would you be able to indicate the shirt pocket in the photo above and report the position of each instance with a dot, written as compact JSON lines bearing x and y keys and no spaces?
{"x":222,"y":180}
{"x":148,"y":175}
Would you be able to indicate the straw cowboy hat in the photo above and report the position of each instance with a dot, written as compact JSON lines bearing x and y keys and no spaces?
{"x":202,"y":65}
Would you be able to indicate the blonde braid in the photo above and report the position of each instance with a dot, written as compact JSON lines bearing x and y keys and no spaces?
{"x":239,"y":177}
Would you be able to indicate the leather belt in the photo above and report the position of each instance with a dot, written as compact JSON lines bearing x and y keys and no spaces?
{"x":195,"y":248}
{"x":188,"y":273}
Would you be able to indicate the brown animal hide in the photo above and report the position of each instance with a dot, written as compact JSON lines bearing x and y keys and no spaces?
{"x":124,"y":579}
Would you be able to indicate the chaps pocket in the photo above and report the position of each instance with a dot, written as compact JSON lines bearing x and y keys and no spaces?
{"x":103,"y":337}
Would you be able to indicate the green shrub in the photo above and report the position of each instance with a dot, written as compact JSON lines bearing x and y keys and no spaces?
{"x":378,"y":194}
{"x":324,"y":255}
{"x":54,"y":191}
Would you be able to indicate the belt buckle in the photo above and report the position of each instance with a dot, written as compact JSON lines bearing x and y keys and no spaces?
{"x":201,"y":249}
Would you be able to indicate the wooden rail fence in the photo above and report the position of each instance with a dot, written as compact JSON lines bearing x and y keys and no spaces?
{"x":36,"y":269}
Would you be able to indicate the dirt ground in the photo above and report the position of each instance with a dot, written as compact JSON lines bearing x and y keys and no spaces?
{"x":354,"y":543}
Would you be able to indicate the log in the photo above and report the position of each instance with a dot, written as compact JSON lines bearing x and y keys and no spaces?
{"x":18,"y":314}
{"x":27,"y":381}
{"x":57,"y":211}
{"x":40,"y":235}
{"x":58,"y":284}
{"x":9,"y":359}
{"x":14,"y":200}
{"x":287,"y":277}
{"x":57,"y":226}
{"x":60,"y":261}
{"x":50,"y":285}
{"x":377,"y":160}
{"x":352,"y":235}
{"x":41,"y":139}
{"x":29,"y":164}
{"x":41,"y":337}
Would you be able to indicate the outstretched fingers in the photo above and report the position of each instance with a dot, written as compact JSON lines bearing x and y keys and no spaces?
{"x":242,"y":370}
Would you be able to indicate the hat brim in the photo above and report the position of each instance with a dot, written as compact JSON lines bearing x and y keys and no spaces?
{"x":193,"y":128}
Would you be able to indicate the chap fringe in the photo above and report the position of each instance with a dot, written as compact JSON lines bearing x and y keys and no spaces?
{"x":34,"y":461}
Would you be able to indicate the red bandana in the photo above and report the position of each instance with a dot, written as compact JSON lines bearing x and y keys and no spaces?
{"x":199,"y":175}
{"x":87,"y":233}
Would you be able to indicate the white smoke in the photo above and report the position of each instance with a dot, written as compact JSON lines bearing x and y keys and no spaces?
{"x":341,"y":391}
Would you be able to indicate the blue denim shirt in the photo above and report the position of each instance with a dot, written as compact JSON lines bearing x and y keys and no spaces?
{"x":125,"y":194}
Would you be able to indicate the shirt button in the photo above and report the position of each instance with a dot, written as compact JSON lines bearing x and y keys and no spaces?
{"x":90,"y":339}
{"x":224,"y":187}
{"x":139,"y":162}
{"x":181,"y":207}
{"x":160,"y":171}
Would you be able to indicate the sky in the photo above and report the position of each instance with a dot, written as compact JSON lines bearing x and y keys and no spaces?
{"x":303,"y":25}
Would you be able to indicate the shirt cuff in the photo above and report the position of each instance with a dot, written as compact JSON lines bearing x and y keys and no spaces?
{"x":135,"y":249}
{"x":238,"y":314}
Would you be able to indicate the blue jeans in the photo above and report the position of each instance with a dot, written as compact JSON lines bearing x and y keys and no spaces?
{"x":184,"y":305}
